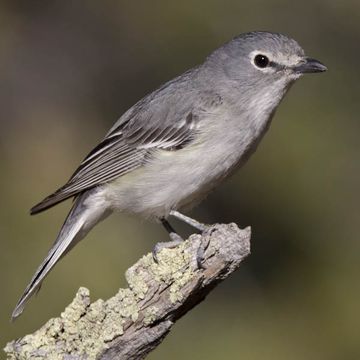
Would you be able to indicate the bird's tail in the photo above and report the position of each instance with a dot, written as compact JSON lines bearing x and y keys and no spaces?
{"x":77,"y":224}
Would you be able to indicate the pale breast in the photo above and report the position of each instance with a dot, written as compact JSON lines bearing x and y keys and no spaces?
{"x":182,"y":178}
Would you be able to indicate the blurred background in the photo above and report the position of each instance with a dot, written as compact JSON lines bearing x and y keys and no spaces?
{"x":69,"y":69}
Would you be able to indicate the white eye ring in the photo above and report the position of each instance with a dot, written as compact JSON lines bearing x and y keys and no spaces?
{"x":261,"y":60}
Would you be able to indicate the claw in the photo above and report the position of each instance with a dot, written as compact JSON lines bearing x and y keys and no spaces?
{"x":200,"y":253}
{"x":200,"y":256}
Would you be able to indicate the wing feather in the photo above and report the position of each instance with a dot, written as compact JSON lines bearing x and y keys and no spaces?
{"x":133,"y":138}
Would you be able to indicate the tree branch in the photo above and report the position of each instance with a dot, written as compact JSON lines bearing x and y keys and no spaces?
{"x":134,"y":321}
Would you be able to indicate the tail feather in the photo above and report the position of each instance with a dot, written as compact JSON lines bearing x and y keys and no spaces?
{"x":78,"y":223}
{"x":51,"y":259}
{"x":52,"y":200}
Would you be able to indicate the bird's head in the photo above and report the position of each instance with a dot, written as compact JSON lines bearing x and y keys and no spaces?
{"x":262,"y":61}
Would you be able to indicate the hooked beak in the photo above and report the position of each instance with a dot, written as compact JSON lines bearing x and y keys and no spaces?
{"x":309,"y":66}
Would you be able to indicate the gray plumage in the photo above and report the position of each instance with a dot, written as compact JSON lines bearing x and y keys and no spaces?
{"x":177,"y":143}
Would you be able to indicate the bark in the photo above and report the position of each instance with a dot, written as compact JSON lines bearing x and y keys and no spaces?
{"x":135,"y":321}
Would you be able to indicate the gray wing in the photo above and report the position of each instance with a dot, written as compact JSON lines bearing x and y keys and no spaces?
{"x":165,"y":120}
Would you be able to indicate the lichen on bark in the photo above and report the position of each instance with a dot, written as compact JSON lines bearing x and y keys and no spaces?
{"x":136,"y":319}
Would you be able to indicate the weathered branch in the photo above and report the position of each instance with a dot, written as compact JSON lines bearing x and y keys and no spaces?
{"x":136,"y":320}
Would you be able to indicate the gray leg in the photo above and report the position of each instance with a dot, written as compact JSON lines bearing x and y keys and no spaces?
{"x":192,"y":222}
{"x":197,"y":225}
{"x":176,"y":240}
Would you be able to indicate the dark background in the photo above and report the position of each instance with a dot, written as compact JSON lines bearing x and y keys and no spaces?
{"x":68,"y":70}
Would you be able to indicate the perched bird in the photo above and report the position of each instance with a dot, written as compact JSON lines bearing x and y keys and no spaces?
{"x":170,"y":149}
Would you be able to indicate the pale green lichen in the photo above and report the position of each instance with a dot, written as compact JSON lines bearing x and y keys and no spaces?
{"x":137,"y":283}
{"x":78,"y":306}
{"x":172,"y":269}
{"x":129,"y":307}
{"x":175,"y":270}
{"x":84,"y":329}
{"x":79,"y":329}
{"x":150,"y":315}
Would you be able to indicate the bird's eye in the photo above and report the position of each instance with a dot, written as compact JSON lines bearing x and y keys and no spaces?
{"x":261,"y":61}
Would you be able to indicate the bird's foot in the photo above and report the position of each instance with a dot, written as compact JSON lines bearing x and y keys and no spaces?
{"x":202,"y":246}
{"x":176,"y":240}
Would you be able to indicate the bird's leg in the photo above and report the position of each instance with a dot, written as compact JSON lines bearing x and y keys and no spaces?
{"x":188,"y":220}
{"x":176,"y":240}
{"x":174,"y":236}
{"x":197,"y":225}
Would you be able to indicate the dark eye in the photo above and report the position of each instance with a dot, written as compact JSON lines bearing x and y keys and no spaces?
{"x":261,"y":61}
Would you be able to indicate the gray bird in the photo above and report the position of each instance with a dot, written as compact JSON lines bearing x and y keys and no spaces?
{"x":170,"y":149}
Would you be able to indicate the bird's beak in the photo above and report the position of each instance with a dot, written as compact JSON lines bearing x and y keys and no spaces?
{"x":309,"y":66}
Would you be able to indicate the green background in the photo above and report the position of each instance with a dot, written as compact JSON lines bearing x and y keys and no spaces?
{"x":69,"y":69}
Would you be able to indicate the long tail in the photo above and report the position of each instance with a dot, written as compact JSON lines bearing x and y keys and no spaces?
{"x":83,"y":216}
